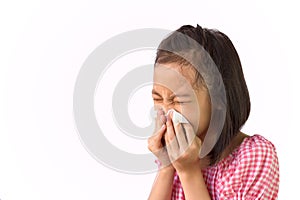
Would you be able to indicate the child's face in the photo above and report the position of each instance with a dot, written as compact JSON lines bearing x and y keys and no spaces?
{"x":172,"y":89}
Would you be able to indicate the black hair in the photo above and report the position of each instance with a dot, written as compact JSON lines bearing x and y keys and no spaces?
{"x":225,"y":57}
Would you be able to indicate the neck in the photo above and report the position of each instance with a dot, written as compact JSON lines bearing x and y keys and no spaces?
{"x":235,"y":143}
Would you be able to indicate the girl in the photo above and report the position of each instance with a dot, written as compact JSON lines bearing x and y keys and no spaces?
{"x":237,"y":166}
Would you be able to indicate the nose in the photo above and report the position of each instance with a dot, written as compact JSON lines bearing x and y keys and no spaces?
{"x":166,"y":106}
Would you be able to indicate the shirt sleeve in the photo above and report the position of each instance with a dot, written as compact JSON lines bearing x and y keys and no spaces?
{"x":255,"y":175}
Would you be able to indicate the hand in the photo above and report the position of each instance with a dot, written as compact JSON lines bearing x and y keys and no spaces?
{"x":156,"y":141}
{"x":183,"y":146}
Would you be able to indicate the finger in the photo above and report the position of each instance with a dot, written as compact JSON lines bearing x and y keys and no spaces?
{"x":163,"y":119}
{"x":157,"y":136}
{"x":170,"y":134}
{"x":181,"y":137}
{"x":171,"y":140}
{"x":180,"y":134}
{"x":159,"y":120}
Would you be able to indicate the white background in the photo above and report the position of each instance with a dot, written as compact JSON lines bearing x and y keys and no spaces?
{"x":43,"y":45}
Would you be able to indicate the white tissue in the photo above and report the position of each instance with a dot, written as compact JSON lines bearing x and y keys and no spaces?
{"x":177,"y":117}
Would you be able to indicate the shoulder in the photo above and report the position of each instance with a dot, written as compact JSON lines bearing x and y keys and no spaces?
{"x":256,"y":144}
{"x":254,"y":170}
{"x":254,"y":149}
{"x":257,"y":141}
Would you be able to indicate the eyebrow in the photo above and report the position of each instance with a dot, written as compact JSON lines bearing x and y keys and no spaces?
{"x":172,"y":96}
{"x":156,"y":93}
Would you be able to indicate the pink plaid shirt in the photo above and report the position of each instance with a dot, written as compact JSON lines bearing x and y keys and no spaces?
{"x":250,"y":172}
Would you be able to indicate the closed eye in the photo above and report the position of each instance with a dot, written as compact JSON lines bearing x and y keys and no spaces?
{"x":178,"y":102}
{"x":174,"y":102}
{"x":156,"y":99}
{"x":181,"y":102}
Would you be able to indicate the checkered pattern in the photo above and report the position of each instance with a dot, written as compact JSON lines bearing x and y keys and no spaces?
{"x":250,"y":172}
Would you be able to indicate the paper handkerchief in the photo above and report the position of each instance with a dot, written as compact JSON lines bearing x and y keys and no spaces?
{"x":177,"y":117}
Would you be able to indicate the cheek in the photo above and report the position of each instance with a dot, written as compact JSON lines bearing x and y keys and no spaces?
{"x":205,"y":115}
{"x":204,"y":121}
{"x":199,"y":116}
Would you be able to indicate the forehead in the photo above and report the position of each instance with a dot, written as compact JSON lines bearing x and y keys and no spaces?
{"x":173,"y":77}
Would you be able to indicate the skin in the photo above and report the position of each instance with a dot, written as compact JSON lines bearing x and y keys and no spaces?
{"x":172,"y":90}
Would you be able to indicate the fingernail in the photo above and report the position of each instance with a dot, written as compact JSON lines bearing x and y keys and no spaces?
{"x":171,"y":113}
{"x":163,"y":126}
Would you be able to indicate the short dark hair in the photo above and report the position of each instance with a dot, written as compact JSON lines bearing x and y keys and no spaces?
{"x":225,"y":57}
